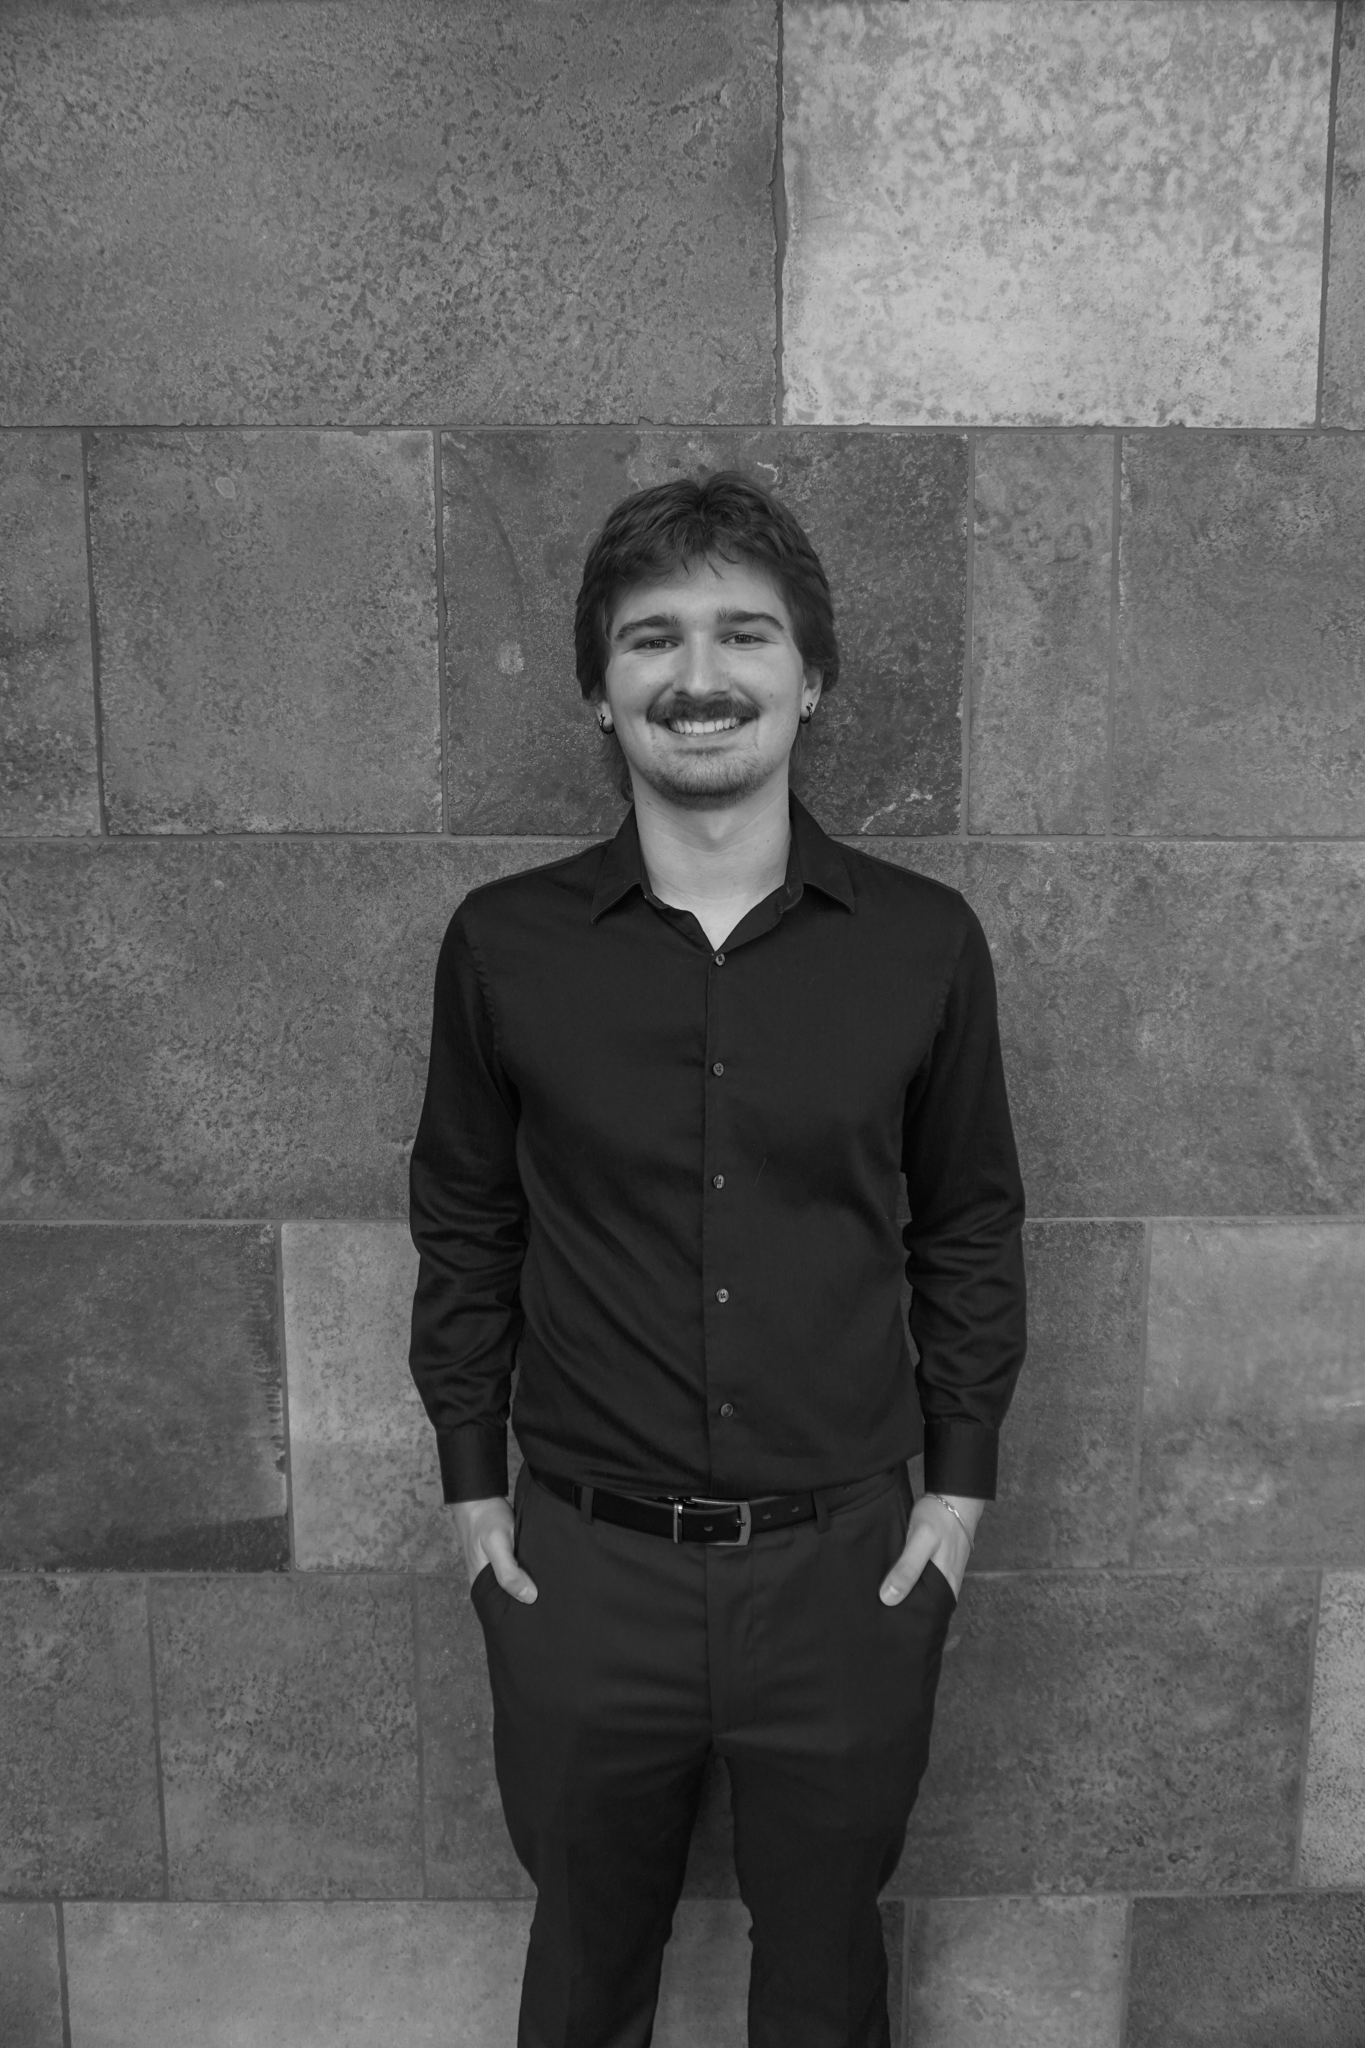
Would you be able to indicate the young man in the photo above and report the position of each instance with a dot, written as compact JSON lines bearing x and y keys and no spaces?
{"x":674,"y":1081}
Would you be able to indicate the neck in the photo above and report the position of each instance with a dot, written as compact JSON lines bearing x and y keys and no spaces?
{"x":734,"y":851}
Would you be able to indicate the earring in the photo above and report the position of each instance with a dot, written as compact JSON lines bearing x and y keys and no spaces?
{"x":604,"y":724}
{"x":808,"y":714}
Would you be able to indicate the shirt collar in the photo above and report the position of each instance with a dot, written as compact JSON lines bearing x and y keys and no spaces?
{"x":815,"y":861}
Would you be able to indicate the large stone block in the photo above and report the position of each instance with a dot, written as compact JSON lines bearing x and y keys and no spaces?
{"x":49,"y":776}
{"x":1041,"y":581}
{"x":1253,"y":1423}
{"x":1105,"y":1732}
{"x":1238,"y":702}
{"x":30,"y":1978}
{"x":288,"y":1737}
{"x":141,"y":1421}
{"x":1055,"y":215}
{"x":886,"y":513}
{"x":267,"y":618}
{"x":1178,"y":1020}
{"x":224,"y":1027}
{"x":366,"y":1489}
{"x":1285,"y":1972}
{"x":78,"y":1798}
{"x":1069,"y":1444}
{"x":468,"y":1853}
{"x":1343,"y":381}
{"x":296,"y":1974}
{"x":703,"y":1991}
{"x":1332,"y":1851}
{"x":1036,"y":1973}
{"x":388,"y":211}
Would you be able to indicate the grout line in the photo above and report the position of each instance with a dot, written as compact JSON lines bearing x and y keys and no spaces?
{"x":443,"y":707}
{"x":156,"y":1736}
{"x":1319,"y":1219}
{"x":1144,"y":1312}
{"x":1126,"y":1971}
{"x":417,"y":1722}
{"x":968,"y":628}
{"x":503,"y":429}
{"x":780,"y":223}
{"x":63,"y":1987}
{"x":1295,"y":1877}
{"x":1115,"y":528}
{"x":94,"y":637}
{"x":83,"y":843}
{"x":282,"y":1353}
{"x":1327,"y":211}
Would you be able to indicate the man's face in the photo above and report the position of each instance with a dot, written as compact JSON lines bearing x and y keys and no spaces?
{"x":705,"y":683}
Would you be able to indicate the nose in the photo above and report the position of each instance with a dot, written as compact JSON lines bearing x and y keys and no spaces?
{"x":698,"y":674}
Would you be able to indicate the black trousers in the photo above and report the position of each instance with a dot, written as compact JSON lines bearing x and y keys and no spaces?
{"x":611,"y":1690}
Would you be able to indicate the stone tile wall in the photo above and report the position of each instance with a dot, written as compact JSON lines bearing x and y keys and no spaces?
{"x":328,"y":337}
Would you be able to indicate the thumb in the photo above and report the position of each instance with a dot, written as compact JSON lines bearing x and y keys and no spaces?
{"x":497,"y":1546}
{"x":919,"y":1547}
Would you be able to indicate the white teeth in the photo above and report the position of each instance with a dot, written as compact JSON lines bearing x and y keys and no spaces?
{"x":692,"y":726}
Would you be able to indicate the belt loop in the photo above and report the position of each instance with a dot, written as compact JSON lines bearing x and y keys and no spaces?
{"x":821,"y":1509}
{"x":585,"y":1502}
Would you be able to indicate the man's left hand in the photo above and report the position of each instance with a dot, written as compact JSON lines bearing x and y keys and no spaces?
{"x":935,"y":1535}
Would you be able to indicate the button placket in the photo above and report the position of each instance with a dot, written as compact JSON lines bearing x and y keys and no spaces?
{"x":715,"y":1213}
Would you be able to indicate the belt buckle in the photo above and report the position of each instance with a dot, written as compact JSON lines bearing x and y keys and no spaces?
{"x":746,"y":1520}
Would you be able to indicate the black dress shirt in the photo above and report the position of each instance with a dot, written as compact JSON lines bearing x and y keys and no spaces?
{"x":661,"y":1179}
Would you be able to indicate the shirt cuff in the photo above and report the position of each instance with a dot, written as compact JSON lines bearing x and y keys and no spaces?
{"x":473,"y":1461}
{"x":960,"y":1457}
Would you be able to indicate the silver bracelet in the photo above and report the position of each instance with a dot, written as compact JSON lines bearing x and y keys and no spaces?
{"x":953,"y":1511}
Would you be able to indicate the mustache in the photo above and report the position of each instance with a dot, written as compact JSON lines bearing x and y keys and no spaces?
{"x":721,"y":704}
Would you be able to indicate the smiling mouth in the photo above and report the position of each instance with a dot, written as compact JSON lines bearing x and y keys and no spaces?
{"x":700,"y":728}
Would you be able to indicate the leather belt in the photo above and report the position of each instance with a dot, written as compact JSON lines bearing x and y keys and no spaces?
{"x":691,"y":1518}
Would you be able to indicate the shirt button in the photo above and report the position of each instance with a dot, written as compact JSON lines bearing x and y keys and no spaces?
{"x":718,"y":1180}
{"x":719,"y":1067}
{"x":722,"y":1294}
{"x":727,"y":1409}
{"x":720,"y":959}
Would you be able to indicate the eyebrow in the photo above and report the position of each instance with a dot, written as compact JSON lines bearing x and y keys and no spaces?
{"x":728,"y":617}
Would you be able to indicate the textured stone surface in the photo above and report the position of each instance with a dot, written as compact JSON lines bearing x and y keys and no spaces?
{"x":1247,"y":1973}
{"x":267,"y":618}
{"x":49,"y":778}
{"x":1040,"y":632}
{"x":1253,"y":1424}
{"x":1343,"y":383}
{"x":1068,"y":1448}
{"x":228,"y":1027}
{"x":1106,"y":1732}
{"x":296,"y":1974}
{"x":704,"y":1988}
{"x":1055,"y":214}
{"x":1238,"y":705}
{"x":468,"y":1854}
{"x":78,"y":1808}
{"x":141,"y":1424}
{"x":1333,"y":1846}
{"x":887,"y":514}
{"x":366,"y":1488}
{"x":1179,"y":1021}
{"x":30,"y":1987}
{"x":1036,"y":1973}
{"x":210,"y":1028}
{"x":288,"y":1737}
{"x":389,"y":210}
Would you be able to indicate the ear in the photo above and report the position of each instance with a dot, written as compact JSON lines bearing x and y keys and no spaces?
{"x":812,"y":682}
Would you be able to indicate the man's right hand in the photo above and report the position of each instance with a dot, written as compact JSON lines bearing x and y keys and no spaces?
{"x":485,"y":1528}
